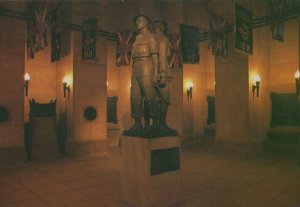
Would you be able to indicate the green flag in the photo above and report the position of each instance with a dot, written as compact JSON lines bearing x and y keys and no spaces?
{"x":243,"y":30}
{"x":89,"y":39}
{"x":189,"y":44}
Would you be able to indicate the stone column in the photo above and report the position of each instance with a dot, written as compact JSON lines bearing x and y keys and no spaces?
{"x":12,"y":58}
{"x":89,"y":83}
{"x":232,"y":115}
{"x":89,"y":90}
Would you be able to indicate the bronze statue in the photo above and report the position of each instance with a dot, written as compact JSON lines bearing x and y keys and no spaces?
{"x":150,"y":80}
{"x":144,"y":77}
{"x":165,"y":76}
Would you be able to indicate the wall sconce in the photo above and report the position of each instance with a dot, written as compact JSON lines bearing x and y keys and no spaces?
{"x":189,"y":90}
{"x":255,"y":84}
{"x":26,"y":84}
{"x":297,"y":78}
{"x":66,"y":86}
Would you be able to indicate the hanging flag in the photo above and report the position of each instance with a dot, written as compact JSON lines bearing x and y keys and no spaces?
{"x":292,"y":6}
{"x":89,"y":39}
{"x":219,"y":28}
{"x":55,"y":36}
{"x":175,"y":58}
{"x":36,"y":14}
{"x":64,"y":15}
{"x":189,"y":44}
{"x":55,"y":44}
{"x":124,"y":46}
{"x":30,"y":15}
{"x":277,"y":18}
{"x":41,"y":27}
{"x":243,"y":33}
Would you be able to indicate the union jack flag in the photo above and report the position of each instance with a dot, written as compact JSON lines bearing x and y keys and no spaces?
{"x":36,"y":28}
{"x":124,"y":46}
{"x":41,"y":27}
{"x":175,"y":58}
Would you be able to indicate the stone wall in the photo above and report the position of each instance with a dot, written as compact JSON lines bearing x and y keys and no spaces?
{"x":12,"y":58}
{"x":259,"y":113}
{"x":42,"y":84}
{"x":90,"y":78}
{"x":232,"y":115}
{"x":284,"y":59}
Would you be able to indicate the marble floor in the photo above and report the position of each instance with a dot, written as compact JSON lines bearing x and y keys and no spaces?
{"x":208,"y":180}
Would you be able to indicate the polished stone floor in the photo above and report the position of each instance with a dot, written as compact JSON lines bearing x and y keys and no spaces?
{"x":208,"y":179}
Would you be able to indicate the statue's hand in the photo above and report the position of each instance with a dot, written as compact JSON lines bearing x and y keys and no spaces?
{"x":154,"y":80}
{"x":162,"y":81}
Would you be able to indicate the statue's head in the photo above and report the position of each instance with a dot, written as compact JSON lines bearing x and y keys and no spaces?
{"x":142,"y":20}
{"x":159,"y":25}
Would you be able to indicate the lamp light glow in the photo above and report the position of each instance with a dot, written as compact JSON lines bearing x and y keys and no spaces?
{"x":189,"y":84}
{"x":297,"y":74}
{"x":189,"y":89}
{"x":255,"y":84}
{"x":255,"y":78}
{"x":297,"y":79}
{"x":66,"y":86}
{"x":66,"y":80}
{"x":26,"y":84}
{"x":27,"y":77}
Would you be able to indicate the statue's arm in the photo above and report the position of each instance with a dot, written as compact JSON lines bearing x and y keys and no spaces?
{"x":155,"y":66}
{"x":155,"y":60}
{"x":164,"y":52}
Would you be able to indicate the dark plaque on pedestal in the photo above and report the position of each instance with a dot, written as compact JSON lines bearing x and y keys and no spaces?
{"x":165,"y":160}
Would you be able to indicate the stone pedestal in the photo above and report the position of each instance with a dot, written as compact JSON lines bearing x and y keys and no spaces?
{"x":150,"y":174}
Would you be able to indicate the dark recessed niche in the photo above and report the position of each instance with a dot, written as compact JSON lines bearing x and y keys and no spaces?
{"x":3,"y":114}
{"x":90,"y":113}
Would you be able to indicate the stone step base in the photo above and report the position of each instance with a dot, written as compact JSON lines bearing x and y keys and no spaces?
{"x":281,"y":149}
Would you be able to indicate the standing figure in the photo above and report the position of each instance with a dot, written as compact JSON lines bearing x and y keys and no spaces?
{"x":144,"y":76}
{"x":165,"y":76}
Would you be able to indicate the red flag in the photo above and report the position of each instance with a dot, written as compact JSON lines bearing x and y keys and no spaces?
{"x":41,"y":27}
{"x":36,"y":28}
{"x":176,"y":59}
{"x":124,"y":46}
